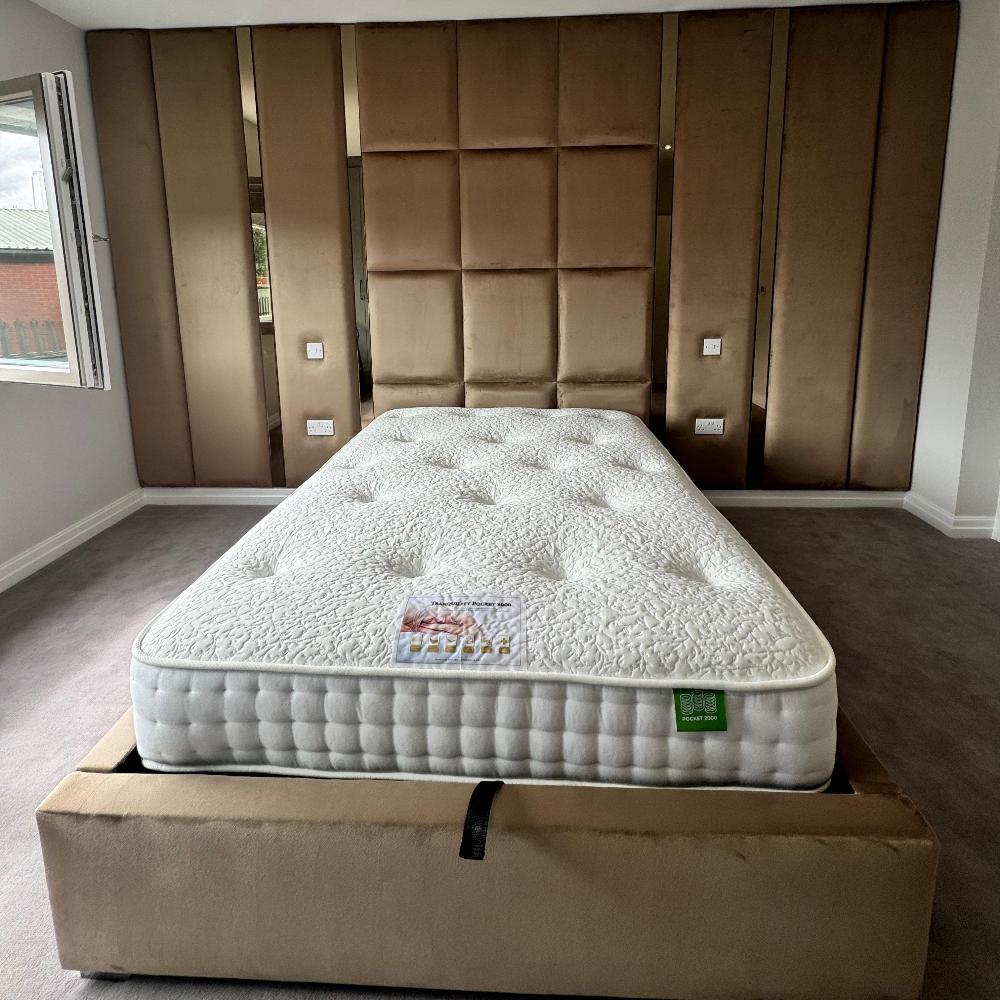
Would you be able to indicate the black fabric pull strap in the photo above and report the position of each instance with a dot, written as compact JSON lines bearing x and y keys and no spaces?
{"x":477,"y":820}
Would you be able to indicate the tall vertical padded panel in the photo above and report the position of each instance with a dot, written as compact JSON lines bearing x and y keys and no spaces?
{"x":723,"y":79}
{"x":408,"y":96}
{"x":508,"y":102}
{"x":300,"y":113}
{"x":204,"y":169}
{"x":913,"y":127}
{"x":121,"y":76}
{"x":831,"y":110}
{"x":609,"y":119}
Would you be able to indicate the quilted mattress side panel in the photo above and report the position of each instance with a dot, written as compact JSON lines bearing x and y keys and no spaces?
{"x":548,"y":730}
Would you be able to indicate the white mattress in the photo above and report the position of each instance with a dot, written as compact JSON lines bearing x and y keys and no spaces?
{"x":281,"y":658}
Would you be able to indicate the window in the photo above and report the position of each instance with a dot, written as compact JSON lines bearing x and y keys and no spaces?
{"x":50,"y":329}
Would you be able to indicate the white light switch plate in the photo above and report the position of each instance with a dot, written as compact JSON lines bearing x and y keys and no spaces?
{"x":319,"y":428}
{"x":709,"y":425}
{"x":711,"y":347}
{"x":314,"y":350}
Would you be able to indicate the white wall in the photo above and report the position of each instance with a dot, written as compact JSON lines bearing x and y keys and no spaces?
{"x":979,"y":481}
{"x":64,"y":453}
{"x":957,"y":456}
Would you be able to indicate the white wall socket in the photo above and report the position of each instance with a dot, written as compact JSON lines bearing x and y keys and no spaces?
{"x":710,"y":425}
{"x":319,"y":428}
{"x":314,"y":350}
{"x":711,"y":347}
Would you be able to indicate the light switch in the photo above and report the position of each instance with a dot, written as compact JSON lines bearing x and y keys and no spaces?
{"x":711,"y":347}
{"x":314,"y":350}
{"x":709,"y":425}
{"x":319,"y":428}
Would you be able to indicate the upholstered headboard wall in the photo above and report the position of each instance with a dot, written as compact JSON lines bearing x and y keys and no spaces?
{"x":535,"y":193}
{"x":510,"y":189}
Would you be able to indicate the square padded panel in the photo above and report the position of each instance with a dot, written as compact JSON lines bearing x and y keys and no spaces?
{"x":607,"y":207}
{"x":508,"y":91}
{"x":411,"y":211}
{"x":509,"y":208}
{"x":609,"y":80}
{"x":416,"y":326}
{"x":540,"y":395}
{"x":510,"y":325}
{"x":407,"y":86}
{"x":604,"y":325}
{"x":392,"y":397}
{"x":630,"y":397}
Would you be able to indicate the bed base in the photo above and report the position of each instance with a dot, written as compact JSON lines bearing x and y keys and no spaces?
{"x":680,"y":893}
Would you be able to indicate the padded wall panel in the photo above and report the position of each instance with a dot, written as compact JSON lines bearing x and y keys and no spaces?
{"x":412,"y":211}
{"x":407,"y":86}
{"x":205,"y":176}
{"x":508,"y":208}
{"x":416,"y":322}
{"x":541,"y":395}
{"x":308,"y":237}
{"x":831,"y":108}
{"x":723,"y":81}
{"x":913,"y":128}
{"x":609,"y":80}
{"x":607,"y":207}
{"x":389,"y":396}
{"x":121,"y":77}
{"x":510,"y":325}
{"x":604,"y":325}
{"x":507,"y":83}
{"x":631,"y":397}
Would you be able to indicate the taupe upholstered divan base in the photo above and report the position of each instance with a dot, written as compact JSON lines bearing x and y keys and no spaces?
{"x":584,"y":890}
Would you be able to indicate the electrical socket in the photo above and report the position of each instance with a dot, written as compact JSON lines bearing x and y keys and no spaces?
{"x":711,"y":347}
{"x":710,"y":425}
{"x":319,"y":428}
{"x":314,"y":350}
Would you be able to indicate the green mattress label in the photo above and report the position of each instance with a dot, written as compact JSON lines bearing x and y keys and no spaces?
{"x":700,"y":711}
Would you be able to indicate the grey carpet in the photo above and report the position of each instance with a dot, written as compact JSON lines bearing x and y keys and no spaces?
{"x":914,"y":618}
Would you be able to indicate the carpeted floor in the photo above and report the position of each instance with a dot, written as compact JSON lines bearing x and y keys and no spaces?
{"x":913,"y":616}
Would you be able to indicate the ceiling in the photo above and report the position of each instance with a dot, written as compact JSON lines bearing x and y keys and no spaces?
{"x":90,"y":14}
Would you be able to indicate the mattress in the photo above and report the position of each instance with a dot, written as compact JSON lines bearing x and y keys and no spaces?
{"x":513,"y":593}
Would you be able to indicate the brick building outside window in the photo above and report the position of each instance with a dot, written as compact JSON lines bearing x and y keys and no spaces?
{"x":31,"y":329}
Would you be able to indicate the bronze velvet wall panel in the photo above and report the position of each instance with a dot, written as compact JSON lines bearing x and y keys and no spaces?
{"x":121,"y":77}
{"x":205,"y":174}
{"x":512,"y":183}
{"x":309,"y":236}
{"x":508,"y":97}
{"x":407,"y":82}
{"x":831,"y":112}
{"x":913,"y":128}
{"x":723,"y":84}
{"x":508,"y":208}
{"x":510,"y":225}
{"x":609,"y":80}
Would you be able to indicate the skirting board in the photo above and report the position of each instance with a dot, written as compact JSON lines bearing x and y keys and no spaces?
{"x":201,"y":496}
{"x":952,"y":525}
{"x":804,"y":498}
{"x":31,"y":560}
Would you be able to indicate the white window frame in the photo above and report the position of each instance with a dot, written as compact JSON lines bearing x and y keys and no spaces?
{"x":72,"y":237}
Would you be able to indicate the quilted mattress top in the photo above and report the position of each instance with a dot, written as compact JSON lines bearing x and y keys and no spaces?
{"x":623,"y":571}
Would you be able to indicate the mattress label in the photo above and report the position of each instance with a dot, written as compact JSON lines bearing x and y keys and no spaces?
{"x":462,"y":630}
{"x":700,"y":711}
